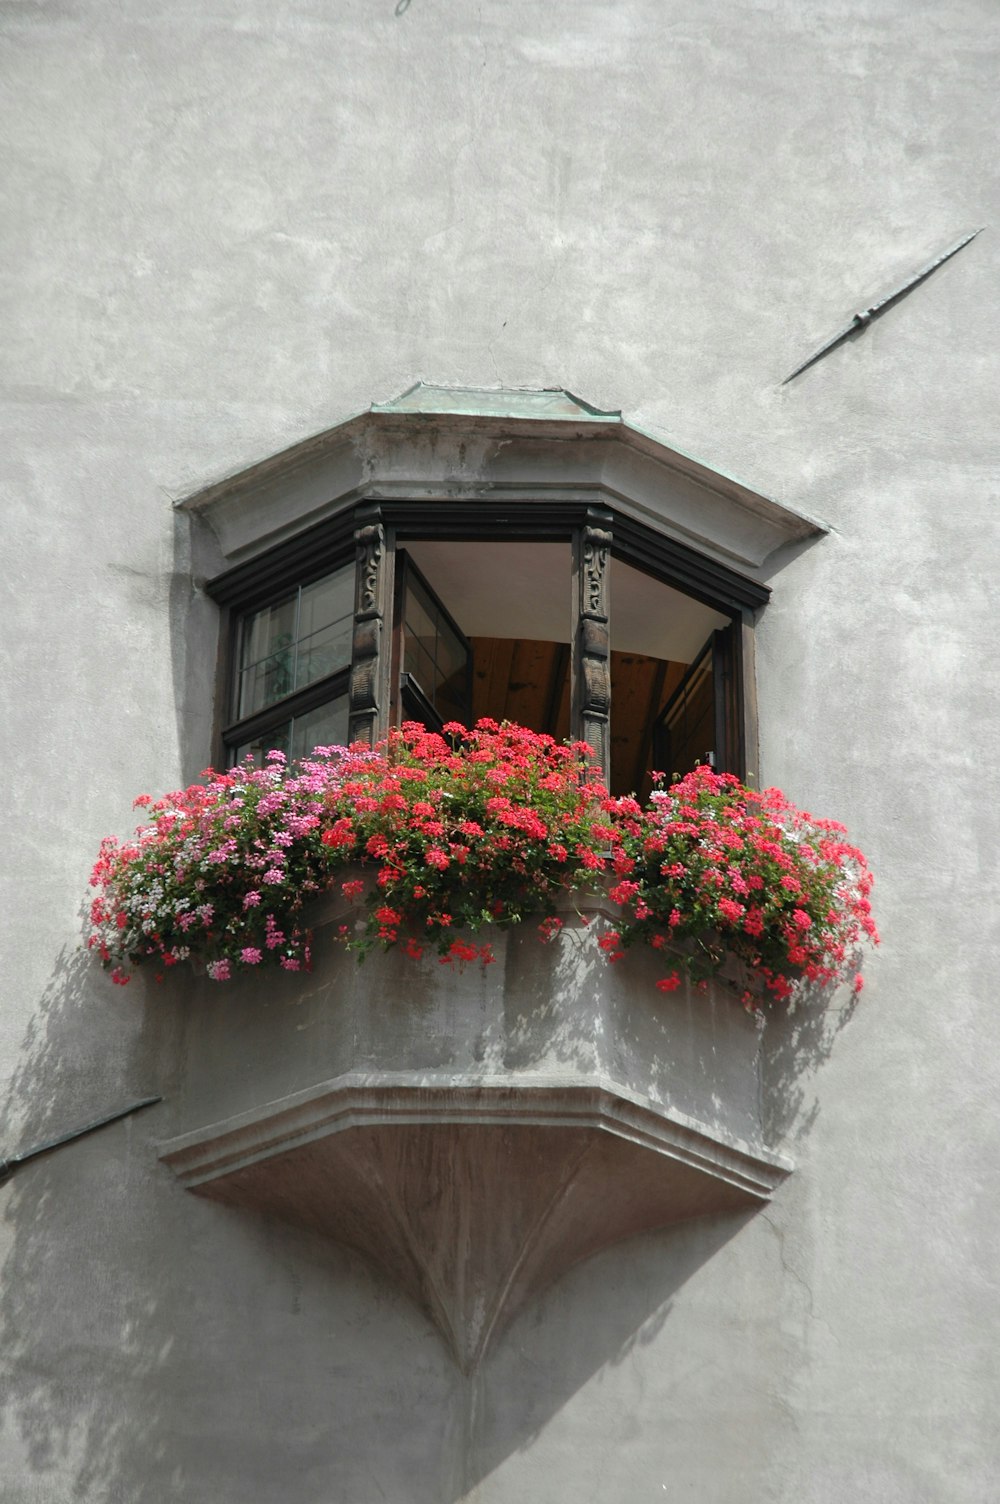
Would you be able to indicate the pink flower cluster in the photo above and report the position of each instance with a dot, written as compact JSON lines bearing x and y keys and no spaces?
{"x":220,"y":871}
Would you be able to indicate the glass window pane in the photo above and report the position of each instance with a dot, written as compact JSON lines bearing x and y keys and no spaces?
{"x":411,"y":655}
{"x":326,"y":726}
{"x":324,"y":652}
{"x":265,"y":682}
{"x":433,"y":653}
{"x":451,"y":702}
{"x":327,"y":600}
{"x":267,"y":657}
{"x":689,"y":722}
{"x":326,"y":622}
{"x":451,"y":655}
{"x":276,"y":738}
{"x":418,"y":614}
{"x":264,"y":632}
{"x":423,"y":670}
{"x":295,"y":641}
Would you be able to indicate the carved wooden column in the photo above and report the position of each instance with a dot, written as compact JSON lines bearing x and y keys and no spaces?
{"x":370,"y":653}
{"x":591,"y":692}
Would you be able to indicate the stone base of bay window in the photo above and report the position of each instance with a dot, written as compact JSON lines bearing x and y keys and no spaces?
{"x":475,"y":1132}
{"x":473,"y":1195}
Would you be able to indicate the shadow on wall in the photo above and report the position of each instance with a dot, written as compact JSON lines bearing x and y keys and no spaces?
{"x":81,"y":1338}
{"x":194,"y":644}
{"x":154,"y":1348}
{"x":599,"y":1316}
{"x":794,"y":1046}
{"x":158,"y":1347}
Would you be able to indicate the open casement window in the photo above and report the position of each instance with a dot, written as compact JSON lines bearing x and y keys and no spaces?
{"x":431,"y":665}
{"x":699,"y":721}
{"x":570,"y":620}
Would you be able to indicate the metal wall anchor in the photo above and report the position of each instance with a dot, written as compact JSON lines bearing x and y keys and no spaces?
{"x":862,"y":320}
{"x":8,"y":1166}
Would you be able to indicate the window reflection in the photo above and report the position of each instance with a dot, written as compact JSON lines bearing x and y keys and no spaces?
{"x":324,"y":726}
{"x":295,"y":641}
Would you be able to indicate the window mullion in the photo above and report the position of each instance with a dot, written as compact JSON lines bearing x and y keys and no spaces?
{"x":297,"y":639}
{"x":371,"y":644}
{"x":590,"y":703}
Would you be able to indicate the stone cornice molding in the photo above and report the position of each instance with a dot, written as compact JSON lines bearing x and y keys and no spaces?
{"x":462,"y":444}
{"x":361,"y":1101}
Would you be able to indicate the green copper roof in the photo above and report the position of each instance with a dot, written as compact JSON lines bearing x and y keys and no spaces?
{"x":485,"y":402}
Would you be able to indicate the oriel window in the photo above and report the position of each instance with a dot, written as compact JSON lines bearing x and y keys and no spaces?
{"x":573,"y":621}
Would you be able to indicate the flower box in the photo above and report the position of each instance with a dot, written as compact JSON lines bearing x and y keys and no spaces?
{"x":477,"y":1128}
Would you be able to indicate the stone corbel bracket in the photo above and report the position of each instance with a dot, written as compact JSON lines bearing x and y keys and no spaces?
{"x":475,"y":1195}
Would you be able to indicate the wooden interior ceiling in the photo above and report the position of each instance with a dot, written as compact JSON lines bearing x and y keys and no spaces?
{"x":517,"y":679}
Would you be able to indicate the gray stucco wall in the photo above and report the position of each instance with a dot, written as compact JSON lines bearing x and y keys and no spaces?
{"x":226,"y":226}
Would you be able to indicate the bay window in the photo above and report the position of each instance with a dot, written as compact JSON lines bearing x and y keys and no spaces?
{"x":573,"y":620}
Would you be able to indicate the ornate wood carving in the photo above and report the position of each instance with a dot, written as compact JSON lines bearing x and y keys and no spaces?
{"x":591,"y":709}
{"x":370,"y":645}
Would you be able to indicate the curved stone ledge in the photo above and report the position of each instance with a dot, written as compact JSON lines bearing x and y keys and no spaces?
{"x":473,"y":1195}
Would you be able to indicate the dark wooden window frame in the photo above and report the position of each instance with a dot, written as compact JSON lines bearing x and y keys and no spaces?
{"x":411,"y":703}
{"x":371,"y":532}
{"x":237,"y":732}
{"x":725,"y":751}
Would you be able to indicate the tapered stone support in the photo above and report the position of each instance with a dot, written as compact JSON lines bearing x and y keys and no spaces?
{"x":476,"y":1133}
{"x":471,"y":1196}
